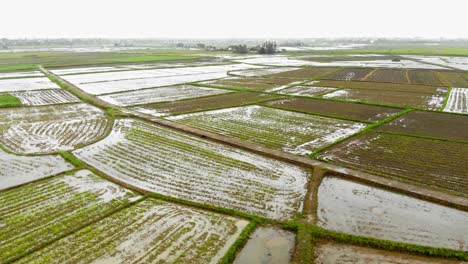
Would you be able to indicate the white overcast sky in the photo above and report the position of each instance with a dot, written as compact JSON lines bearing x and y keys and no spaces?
{"x":233,"y":19}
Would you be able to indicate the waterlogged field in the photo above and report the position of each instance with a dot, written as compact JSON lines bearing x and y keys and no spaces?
{"x":359,"y":112}
{"x":148,"y":232}
{"x":51,"y":128}
{"x":113,"y":82}
{"x":363,"y":210}
{"x":204,"y":103}
{"x":16,"y":170}
{"x":429,"y":124}
{"x":34,"y":215}
{"x":26,"y":84}
{"x":427,"y":162}
{"x":334,"y":253}
{"x":306,"y":90}
{"x":289,"y":131}
{"x":457,"y":101}
{"x":389,"y":75}
{"x":261,"y":72}
{"x":350,"y":74}
{"x":161,"y":94}
{"x":168,"y":162}
{"x":22,"y":74}
{"x":395,"y":87}
{"x":417,"y":100}
{"x":45,"y":97}
{"x":256,"y":83}
{"x":303,"y":73}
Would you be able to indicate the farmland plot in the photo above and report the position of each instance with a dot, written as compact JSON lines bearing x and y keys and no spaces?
{"x":306,"y":90}
{"x":99,"y":88}
{"x":148,"y":232}
{"x":263,"y":84}
{"x":454,"y":79}
{"x":457,"y":101}
{"x":153,"y":73}
{"x":86,"y":70}
{"x":26,"y":84}
{"x":4,"y":75}
{"x":333,"y":253}
{"x":430,"y":124}
{"x":16,"y":170}
{"x":350,"y":74}
{"x":389,"y":75}
{"x":433,"y":163}
{"x":36,"y":214}
{"x":360,"y":112}
{"x":297,"y":61}
{"x":51,"y":128}
{"x":204,"y":103}
{"x":418,"y":100}
{"x":289,"y":131}
{"x":260,"y":72}
{"x":396,"y":87}
{"x":161,"y":94}
{"x":359,"y":209}
{"x":45,"y":97}
{"x":424,"y":77}
{"x":172,"y":163}
{"x":303,"y":73}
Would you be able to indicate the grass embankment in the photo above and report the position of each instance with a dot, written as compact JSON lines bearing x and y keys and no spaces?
{"x":7,"y":100}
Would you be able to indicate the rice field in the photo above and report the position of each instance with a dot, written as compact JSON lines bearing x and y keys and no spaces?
{"x":346,"y":110}
{"x":176,"y":164}
{"x":34,"y":215}
{"x":405,"y":99}
{"x":26,"y":84}
{"x":204,"y":103}
{"x":22,"y":74}
{"x":430,"y":124}
{"x":289,"y":131}
{"x":255,"y":83}
{"x":148,"y":232}
{"x":359,"y":209}
{"x":336,"y":253}
{"x":261,"y":72}
{"x":457,"y":101}
{"x":161,"y":94}
{"x":17,"y":170}
{"x":45,"y":97}
{"x":426,"y":162}
{"x":113,"y":82}
{"x":47,"y":129}
{"x":306,"y":90}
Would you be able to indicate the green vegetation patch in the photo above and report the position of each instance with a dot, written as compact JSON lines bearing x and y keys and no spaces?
{"x":433,"y":163}
{"x":7,"y":100}
{"x":293,"y":132}
{"x":36,"y":214}
{"x":151,"y":232}
{"x":152,"y":58}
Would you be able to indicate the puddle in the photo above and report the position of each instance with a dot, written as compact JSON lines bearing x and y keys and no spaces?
{"x":330,"y":253}
{"x":267,"y":246}
{"x":359,"y":209}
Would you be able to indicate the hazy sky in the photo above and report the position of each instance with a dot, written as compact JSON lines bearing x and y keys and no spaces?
{"x":235,"y":18}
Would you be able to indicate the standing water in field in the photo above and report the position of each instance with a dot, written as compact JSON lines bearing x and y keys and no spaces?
{"x":359,"y":209}
{"x":267,"y":246}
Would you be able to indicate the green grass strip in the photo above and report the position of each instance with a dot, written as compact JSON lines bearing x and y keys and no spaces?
{"x":7,"y":100}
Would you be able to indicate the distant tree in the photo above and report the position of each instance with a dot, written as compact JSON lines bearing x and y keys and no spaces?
{"x":268,"y":47}
{"x":180,"y":45}
{"x":239,"y":49}
{"x":201,"y":45}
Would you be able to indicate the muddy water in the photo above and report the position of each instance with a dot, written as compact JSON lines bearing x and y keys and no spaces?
{"x":267,"y":246}
{"x":329,"y":253}
{"x":359,"y":209}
